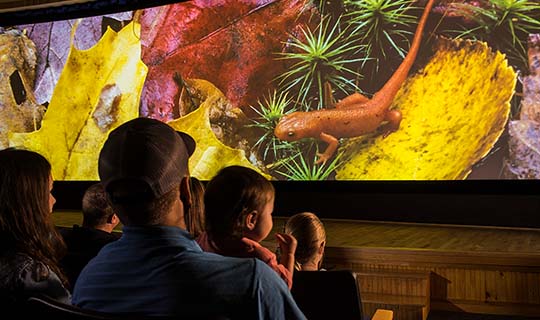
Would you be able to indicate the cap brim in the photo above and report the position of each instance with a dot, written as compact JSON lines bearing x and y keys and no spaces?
{"x":188,"y":141}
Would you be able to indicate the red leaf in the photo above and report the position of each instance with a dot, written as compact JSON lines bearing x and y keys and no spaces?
{"x":232,"y":44}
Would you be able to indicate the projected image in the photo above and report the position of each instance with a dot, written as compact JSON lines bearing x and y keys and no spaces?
{"x":296,"y":89}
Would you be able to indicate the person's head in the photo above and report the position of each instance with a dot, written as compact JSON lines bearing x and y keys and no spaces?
{"x":239,"y":203}
{"x":311,"y":238}
{"x":26,"y":206}
{"x":143,"y":167}
{"x":195,"y":215}
{"x":97,"y":212}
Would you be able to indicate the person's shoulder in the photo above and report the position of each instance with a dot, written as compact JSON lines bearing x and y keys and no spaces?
{"x":241,"y":269}
{"x":273,"y":293}
{"x":64,"y":231}
{"x":13,"y":264}
{"x":101,"y":236}
{"x":263,"y":272}
{"x":32,"y":270}
{"x":215,"y":258}
{"x":254,"y":268}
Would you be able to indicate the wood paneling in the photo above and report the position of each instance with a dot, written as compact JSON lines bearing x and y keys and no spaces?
{"x":475,"y":269}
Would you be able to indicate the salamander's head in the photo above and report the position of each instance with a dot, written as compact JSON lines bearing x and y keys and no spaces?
{"x":291,"y":127}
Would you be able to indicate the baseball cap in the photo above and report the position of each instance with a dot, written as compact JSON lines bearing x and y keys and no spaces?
{"x":146,"y":157}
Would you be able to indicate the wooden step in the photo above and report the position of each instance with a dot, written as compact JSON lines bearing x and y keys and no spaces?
{"x":382,"y":314}
{"x":401,"y":312}
{"x":405,"y":293}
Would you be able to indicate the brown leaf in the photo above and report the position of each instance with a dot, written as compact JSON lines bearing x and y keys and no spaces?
{"x":524,"y":134}
{"x":19,"y":111}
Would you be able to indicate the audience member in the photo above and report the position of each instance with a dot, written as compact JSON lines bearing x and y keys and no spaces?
{"x":156,"y":268}
{"x":30,"y":246}
{"x":238,"y":205}
{"x":195,"y":214}
{"x":311,"y":237}
{"x":83,"y":243}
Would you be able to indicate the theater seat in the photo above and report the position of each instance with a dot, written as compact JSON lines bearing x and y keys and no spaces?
{"x":48,"y":308}
{"x":330,"y":295}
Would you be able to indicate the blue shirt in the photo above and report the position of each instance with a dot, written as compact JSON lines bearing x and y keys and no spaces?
{"x":163,"y":271}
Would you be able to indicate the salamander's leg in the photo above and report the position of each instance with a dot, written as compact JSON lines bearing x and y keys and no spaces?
{"x":330,"y":149}
{"x":394,"y":119}
{"x":352,"y":100}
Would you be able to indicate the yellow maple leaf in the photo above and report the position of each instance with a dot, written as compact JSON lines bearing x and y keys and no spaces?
{"x":211,"y":155}
{"x":454,"y":111}
{"x":98,"y":90}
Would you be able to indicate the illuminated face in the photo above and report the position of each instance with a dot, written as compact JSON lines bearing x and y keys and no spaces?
{"x":52,"y":200}
{"x":264,"y":222}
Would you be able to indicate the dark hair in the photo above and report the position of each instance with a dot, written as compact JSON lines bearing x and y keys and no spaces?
{"x":309,"y":232}
{"x":233,"y":193}
{"x":95,"y":207}
{"x":137,"y":210}
{"x":195,"y":215}
{"x":25,"y":219}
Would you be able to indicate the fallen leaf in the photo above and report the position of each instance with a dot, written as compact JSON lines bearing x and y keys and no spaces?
{"x":98,"y":89}
{"x":19,"y":111}
{"x":53,"y":47}
{"x":211,"y":155}
{"x":232,"y":44}
{"x":454,"y":111}
{"x":523,"y":160}
{"x":524,"y":150}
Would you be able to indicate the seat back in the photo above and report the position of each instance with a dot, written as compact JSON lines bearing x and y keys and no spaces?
{"x":327,"y":294}
{"x":46,"y":307}
{"x":49,"y":308}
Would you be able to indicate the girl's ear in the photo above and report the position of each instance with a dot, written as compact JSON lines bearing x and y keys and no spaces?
{"x":321,"y":247}
{"x":251,"y":220}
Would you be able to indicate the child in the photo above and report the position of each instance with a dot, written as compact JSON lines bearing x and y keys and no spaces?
{"x":309,"y":232}
{"x":238,"y":205}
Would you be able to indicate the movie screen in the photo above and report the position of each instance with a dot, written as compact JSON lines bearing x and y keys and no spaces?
{"x":296,"y":89}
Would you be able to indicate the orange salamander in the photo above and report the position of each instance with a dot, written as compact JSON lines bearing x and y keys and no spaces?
{"x":356,"y":114}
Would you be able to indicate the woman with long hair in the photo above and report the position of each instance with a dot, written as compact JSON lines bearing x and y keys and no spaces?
{"x":195,"y":219}
{"x":30,"y":246}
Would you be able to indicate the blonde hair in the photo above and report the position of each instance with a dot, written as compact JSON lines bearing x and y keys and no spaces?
{"x":309,"y":232}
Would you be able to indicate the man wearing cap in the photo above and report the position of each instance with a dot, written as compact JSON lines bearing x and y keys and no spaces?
{"x":156,"y":268}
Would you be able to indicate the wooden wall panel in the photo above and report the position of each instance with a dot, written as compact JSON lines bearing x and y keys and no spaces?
{"x":483,"y":283}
